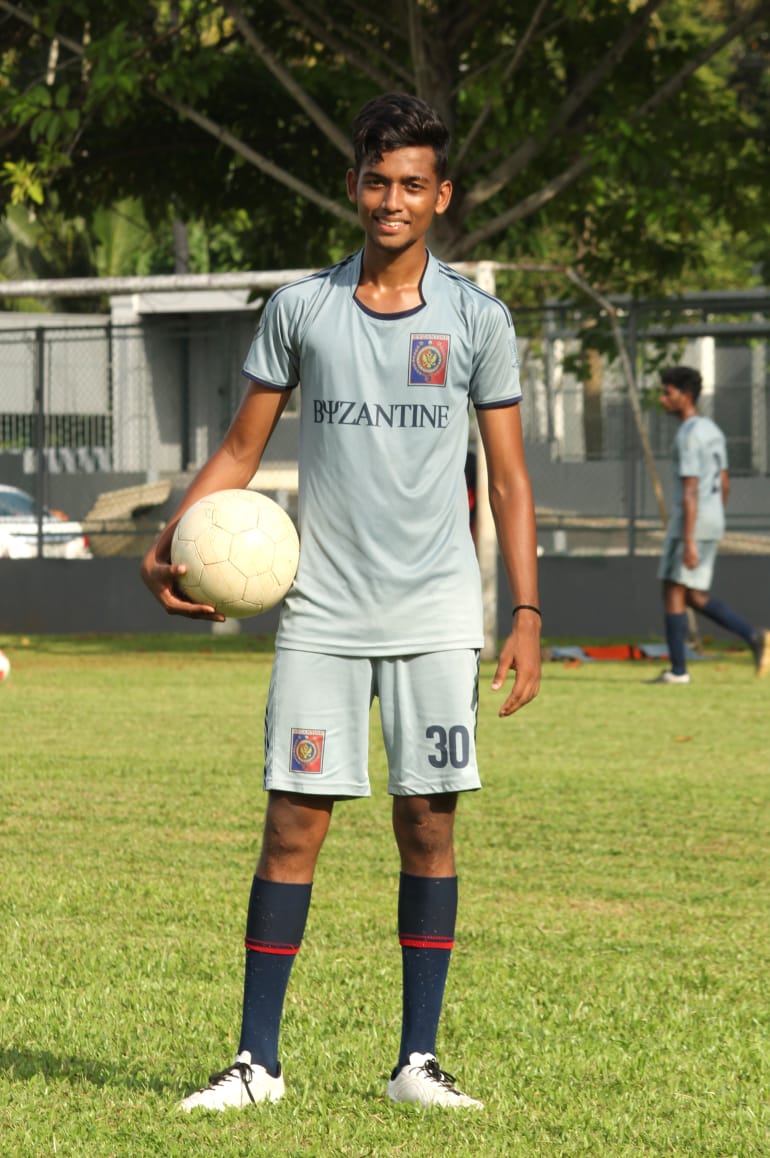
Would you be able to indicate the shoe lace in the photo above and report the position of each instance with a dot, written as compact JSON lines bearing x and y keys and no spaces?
{"x":436,"y":1074}
{"x":243,"y":1070}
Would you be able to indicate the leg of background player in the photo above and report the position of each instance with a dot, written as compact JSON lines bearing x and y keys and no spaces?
{"x":721,"y":613}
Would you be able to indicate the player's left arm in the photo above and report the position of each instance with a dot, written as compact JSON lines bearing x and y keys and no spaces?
{"x":724,"y":482}
{"x":689,"y":517}
{"x":513,"y":508}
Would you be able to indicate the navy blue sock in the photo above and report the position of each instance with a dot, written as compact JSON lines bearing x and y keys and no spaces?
{"x":427,"y":909}
{"x":725,"y":616}
{"x":676,"y":638}
{"x":274,"y":929}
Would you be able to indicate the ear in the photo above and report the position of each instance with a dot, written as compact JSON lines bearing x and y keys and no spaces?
{"x":351,"y":180}
{"x":443,"y":197}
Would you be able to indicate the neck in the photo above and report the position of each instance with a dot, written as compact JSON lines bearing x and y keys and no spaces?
{"x":393,"y":271}
{"x":390,"y":283}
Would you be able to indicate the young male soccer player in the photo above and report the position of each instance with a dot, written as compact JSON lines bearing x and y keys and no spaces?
{"x":388,"y":347}
{"x":697,"y":523}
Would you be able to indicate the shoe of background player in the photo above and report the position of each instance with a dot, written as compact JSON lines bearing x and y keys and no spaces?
{"x":668,"y":677}
{"x":241,"y":1084}
{"x":424,"y":1082}
{"x":760,"y":649}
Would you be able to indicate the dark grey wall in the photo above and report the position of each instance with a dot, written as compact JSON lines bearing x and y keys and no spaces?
{"x":620,"y":596}
{"x":62,"y":596}
{"x":590,"y":597}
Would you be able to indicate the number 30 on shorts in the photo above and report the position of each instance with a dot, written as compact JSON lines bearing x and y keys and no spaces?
{"x":450,"y":747}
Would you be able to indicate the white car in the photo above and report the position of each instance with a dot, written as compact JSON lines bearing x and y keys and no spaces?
{"x":62,"y":538}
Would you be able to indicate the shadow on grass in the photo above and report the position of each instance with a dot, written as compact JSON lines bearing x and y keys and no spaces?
{"x":24,"y":1065}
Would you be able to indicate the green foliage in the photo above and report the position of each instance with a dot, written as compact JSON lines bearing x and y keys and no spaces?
{"x":668,"y":193}
{"x":24,"y":181}
{"x":608,"y":994}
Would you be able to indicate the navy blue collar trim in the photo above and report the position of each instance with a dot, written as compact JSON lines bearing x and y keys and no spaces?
{"x":401,"y":313}
{"x":389,"y":317}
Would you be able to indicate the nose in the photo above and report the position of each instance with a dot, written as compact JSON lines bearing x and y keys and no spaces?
{"x":391,"y":198}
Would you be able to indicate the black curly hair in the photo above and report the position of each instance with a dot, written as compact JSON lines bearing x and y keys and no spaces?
{"x":684,"y":378}
{"x":398,"y":120}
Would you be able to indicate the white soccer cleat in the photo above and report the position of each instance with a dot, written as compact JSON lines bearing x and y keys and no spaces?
{"x":241,"y":1084}
{"x":668,"y":677}
{"x":423,"y":1082}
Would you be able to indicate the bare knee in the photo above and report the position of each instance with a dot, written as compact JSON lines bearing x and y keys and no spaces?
{"x":674,"y":597}
{"x":697,"y":599}
{"x":295,"y":829}
{"x":424,"y":828}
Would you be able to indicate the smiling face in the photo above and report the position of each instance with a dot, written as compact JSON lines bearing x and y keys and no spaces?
{"x":397,"y":197}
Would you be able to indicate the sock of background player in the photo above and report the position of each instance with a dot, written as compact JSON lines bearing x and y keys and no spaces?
{"x":427,"y":909}
{"x":274,"y":928}
{"x":676,"y":638}
{"x":725,"y":616}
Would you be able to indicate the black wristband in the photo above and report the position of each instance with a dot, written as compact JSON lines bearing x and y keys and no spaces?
{"x":526,"y":607}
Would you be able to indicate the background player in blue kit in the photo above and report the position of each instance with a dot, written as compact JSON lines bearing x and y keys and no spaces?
{"x":389,"y":347}
{"x":697,"y":524}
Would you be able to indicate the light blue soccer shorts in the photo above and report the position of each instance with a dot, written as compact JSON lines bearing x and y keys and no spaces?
{"x":672,"y":567}
{"x":317,"y":722}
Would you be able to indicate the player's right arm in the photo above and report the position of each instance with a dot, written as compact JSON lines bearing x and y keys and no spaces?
{"x":232,"y":465}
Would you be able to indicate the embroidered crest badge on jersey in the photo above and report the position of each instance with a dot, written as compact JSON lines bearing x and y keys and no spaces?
{"x":307,"y":751}
{"x":428,"y":358}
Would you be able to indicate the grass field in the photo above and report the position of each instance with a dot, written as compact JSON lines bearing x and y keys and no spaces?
{"x":610,"y":989}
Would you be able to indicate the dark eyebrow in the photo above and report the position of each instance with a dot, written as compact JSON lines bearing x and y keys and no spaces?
{"x":411,"y":178}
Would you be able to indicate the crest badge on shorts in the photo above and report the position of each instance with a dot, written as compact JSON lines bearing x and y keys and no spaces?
{"x":307,"y":751}
{"x":428,"y":358}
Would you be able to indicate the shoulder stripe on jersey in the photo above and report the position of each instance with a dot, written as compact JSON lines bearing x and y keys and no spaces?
{"x":453,"y":275}
{"x":320,"y":275}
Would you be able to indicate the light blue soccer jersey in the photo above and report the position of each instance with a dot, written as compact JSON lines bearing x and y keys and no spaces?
{"x":387,"y":565}
{"x":700,"y":451}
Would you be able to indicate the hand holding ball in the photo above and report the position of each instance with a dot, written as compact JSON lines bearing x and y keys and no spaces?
{"x":241,"y":552}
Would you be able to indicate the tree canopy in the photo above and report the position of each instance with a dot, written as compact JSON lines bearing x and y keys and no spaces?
{"x":626,"y":137}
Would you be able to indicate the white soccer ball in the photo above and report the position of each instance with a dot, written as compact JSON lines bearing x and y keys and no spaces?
{"x":5,"y":667}
{"x":241,"y":552}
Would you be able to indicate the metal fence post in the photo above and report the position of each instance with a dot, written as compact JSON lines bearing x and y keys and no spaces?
{"x":40,"y":433}
{"x":632,"y":462}
{"x":185,"y":409}
{"x":759,"y":408}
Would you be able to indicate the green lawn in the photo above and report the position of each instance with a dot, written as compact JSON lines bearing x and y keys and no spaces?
{"x":610,"y":989}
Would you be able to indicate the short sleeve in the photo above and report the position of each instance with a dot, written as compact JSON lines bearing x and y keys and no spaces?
{"x":273,"y":358}
{"x":689,"y":456}
{"x":495,"y":373}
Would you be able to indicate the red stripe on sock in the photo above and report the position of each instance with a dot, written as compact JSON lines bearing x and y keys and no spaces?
{"x":270,"y":947}
{"x":408,"y":942}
